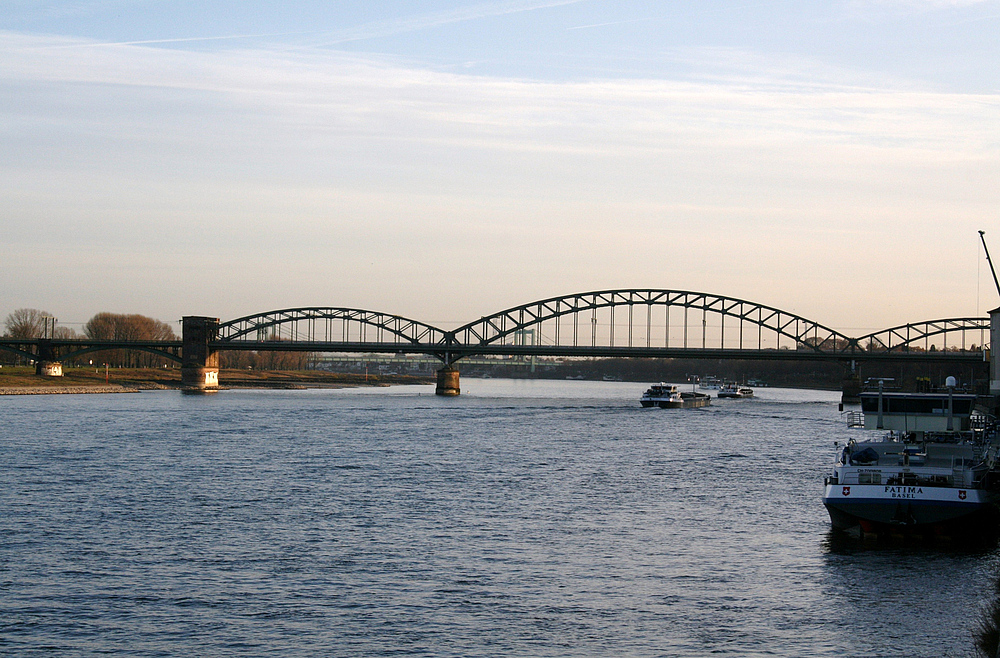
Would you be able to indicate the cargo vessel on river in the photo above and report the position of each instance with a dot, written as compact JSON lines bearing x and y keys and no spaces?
{"x":928,"y":465}
{"x":667,"y":396}
{"x":734,"y":390}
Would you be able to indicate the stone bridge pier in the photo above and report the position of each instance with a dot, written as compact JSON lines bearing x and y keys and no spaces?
{"x":47,"y":363}
{"x":447,"y":382}
{"x":200,"y":364}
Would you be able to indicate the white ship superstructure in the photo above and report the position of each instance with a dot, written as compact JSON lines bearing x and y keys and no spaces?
{"x":926,"y":463}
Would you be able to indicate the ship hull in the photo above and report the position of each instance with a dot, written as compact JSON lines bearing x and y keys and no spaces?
{"x":687,"y":401}
{"x":878,"y":508}
{"x":677,"y":401}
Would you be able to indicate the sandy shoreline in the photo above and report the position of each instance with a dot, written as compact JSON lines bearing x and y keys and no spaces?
{"x":137,"y":387}
{"x":65,"y":390}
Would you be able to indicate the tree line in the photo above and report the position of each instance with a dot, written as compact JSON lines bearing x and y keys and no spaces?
{"x":34,"y":323}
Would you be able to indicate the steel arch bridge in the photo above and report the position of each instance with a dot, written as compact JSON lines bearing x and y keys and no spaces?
{"x":642,"y":318}
{"x":643,"y":322}
{"x":65,"y":349}
{"x":329,"y":325}
{"x":907,"y":337}
{"x":605,"y":323}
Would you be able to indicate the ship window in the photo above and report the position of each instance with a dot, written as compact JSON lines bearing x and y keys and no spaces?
{"x":869,"y":478}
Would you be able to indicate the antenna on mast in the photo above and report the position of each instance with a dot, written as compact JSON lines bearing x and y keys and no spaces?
{"x":982,"y":236}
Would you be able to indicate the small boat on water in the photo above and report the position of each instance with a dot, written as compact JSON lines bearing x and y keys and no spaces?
{"x":710,"y":383}
{"x":928,"y":466}
{"x":733,"y":390}
{"x":667,"y":396}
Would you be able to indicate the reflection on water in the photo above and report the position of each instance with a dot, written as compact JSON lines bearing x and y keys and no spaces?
{"x":523,"y":518}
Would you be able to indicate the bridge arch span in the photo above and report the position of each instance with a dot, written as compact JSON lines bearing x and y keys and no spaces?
{"x":166,"y":353}
{"x":908,"y":337}
{"x":652,"y":318}
{"x":329,"y":325}
{"x":13,"y":348}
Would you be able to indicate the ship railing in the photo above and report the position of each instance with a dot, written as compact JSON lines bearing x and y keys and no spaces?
{"x":855,"y":419}
{"x":890,"y":478}
{"x":982,"y":422}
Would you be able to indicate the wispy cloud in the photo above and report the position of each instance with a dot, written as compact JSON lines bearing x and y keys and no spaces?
{"x":593,"y":25}
{"x":438,"y":19}
{"x":867,"y":7}
{"x":30,"y":10}
{"x":149,"y":42}
{"x":920,"y":4}
{"x":356,"y":171}
{"x":321,"y":37}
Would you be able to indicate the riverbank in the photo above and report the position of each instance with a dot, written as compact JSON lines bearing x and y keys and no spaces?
{"x":24,"y":381}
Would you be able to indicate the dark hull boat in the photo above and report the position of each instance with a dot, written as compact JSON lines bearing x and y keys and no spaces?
{"x":928,"y":467}
{"x":735,"y":391}
{"x":667,"y":396}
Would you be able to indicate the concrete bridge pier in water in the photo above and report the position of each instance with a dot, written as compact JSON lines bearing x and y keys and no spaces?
{"x":447,"y":382}
{"x":200,"y":365}
{"x":48,"y":364}
{"x":850,"y":392}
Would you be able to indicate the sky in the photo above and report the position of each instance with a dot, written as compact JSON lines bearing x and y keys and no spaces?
{"x":446,"y":160}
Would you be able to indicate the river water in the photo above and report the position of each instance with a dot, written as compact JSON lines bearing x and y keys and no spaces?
{"x":524,"y":518}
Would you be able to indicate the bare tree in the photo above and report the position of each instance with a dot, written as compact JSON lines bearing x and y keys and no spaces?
{"x":266,"y":359}
{"x":117,"y":326}
{"x":26,"y":323}
{"x":237,"y":359}
{"x":282,"y":360}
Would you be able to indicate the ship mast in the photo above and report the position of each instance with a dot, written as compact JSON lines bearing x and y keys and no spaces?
{"x":982,"y":236}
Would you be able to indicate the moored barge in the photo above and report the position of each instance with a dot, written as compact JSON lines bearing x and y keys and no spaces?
{"x":927,"y":465}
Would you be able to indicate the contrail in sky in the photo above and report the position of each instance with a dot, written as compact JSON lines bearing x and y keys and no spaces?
{"x":184,"y":39}
{"x":375,"y":30}
{"x":584,"y":27}
{"x":462,"y":14}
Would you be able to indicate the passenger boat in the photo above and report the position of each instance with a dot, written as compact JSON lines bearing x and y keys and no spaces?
{"x":710,"y":383}
{"x":667,"y":396}
{"x":733,"y":390}
{"x":928,"y":465}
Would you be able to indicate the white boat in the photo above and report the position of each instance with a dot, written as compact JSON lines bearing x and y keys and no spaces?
{"x":668,"y":396}
{"x":710,"y":383}
{"x":925,"y":467}
{"x":733,"y":390}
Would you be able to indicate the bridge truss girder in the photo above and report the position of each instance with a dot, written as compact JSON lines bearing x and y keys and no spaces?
{"x":72,"y":348}
{"x":549,"y":313}
{"x":636,"y":323}
{"x":455,"y":352}
{"x":906,"y":337}
{"x":170,"y":351}
{"x":286,"y":326}
{"x":16,"y":346}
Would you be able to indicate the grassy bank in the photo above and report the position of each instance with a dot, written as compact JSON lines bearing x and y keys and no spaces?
{"x":154,"y":378}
